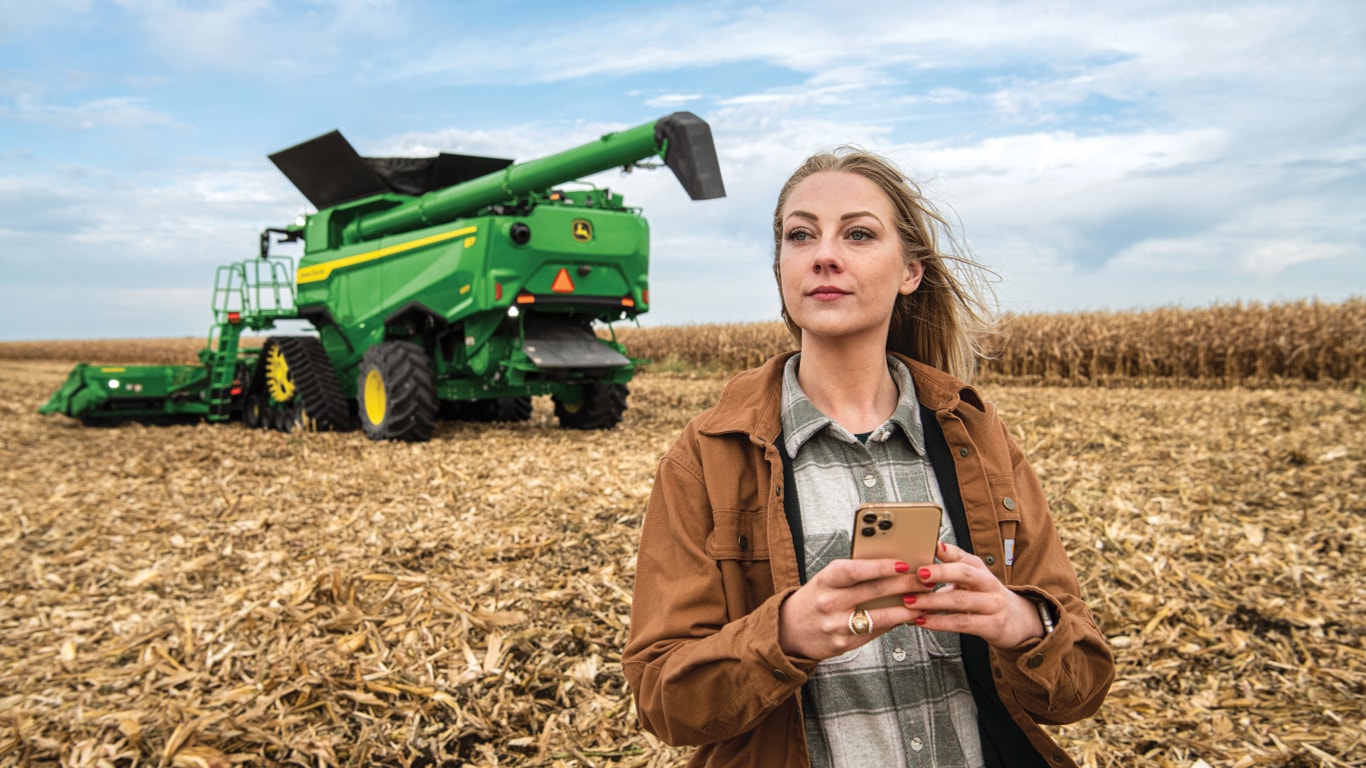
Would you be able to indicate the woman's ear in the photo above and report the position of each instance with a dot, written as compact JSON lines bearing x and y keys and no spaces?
{"x":915,"y":271}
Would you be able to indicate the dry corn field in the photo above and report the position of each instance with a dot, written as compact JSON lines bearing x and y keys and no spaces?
{"x":207,"y":595}
{"x":1253,"y":345}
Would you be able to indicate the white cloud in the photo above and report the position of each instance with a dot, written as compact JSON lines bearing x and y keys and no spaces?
{"x":1267,"y":261}
{"x":1039,"y":156}
{"x":525,"y":141}
{"x":21,"y":16}
{"x":107,"y":112}
{"x":267,"y":38}
{"x":231,"y":35}
{"x":672,"y":100}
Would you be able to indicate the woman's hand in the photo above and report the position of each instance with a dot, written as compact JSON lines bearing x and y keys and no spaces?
{"x":975,"y":602}
{"x":814,"y":621}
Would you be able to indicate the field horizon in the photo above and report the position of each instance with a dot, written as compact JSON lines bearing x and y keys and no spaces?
{"x":1251,"y":345}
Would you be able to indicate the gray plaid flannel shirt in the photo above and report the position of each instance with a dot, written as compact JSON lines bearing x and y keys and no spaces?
{"x":903,"y":699}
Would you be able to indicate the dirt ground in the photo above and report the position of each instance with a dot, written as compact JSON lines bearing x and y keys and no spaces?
{"x":207,"y":595}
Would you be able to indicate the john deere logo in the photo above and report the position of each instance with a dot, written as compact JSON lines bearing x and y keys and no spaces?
{"x":582,"y":229}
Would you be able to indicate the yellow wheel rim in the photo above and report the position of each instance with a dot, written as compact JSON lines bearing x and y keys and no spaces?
{"x":278,"y":380}
{"x":376,"y":402}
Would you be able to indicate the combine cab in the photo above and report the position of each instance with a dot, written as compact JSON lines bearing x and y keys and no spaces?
{"x":444,"y":287}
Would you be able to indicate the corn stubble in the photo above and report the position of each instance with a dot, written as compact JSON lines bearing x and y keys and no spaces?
{"x":210,"y":596}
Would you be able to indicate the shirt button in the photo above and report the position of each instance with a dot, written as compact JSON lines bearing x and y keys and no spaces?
{"x":780,"y":675}
{"x":917,"y":744}
{"x":869,"y":480}
{"x":899,"y":654}
{"x":1035,"y":661}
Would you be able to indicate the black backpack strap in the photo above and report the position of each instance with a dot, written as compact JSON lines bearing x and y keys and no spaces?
{"x":1004,"y":745}
{"x":791,"y":509}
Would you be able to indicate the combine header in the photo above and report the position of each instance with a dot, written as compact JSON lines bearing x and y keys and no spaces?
{"x":452,"y":286}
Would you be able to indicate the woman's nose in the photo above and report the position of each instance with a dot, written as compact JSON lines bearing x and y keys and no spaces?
{"x":827,"y":256}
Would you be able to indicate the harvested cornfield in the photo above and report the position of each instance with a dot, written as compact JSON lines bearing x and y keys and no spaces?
{"x":149,"y":351}
{"x":208,"y":595}
{"x":1231,"y":345}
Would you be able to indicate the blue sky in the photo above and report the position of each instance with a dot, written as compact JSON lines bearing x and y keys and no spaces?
{"x":1096,"y":155}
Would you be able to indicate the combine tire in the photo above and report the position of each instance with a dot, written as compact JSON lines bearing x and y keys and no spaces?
{"x":600,"y":407}
{"x":496,"y":409}
{"x":256,"y":411}
{"x":510,"y":409}
{"x":396,"y":392}
{"x":300,"y":381}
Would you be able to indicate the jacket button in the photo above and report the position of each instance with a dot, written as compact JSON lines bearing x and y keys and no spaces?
{"x":1008,"y":503}
{"x":778,"y":490}
{"x":989,"y":559}
{"x":963,"y":451}
{"x":780,"y":675}
{"x":997,"y":670}
{"x":1035,"y":661}
{"x":744,"y":542}
{"x":1057,"y":757}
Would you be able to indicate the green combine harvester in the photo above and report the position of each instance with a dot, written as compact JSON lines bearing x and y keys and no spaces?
{"x":452,"y":286}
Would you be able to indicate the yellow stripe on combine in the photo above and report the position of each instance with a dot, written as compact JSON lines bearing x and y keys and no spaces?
{"x":323,"y":271}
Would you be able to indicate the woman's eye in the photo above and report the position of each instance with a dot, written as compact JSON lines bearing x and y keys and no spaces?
{"x":798,"y":235}
{"x":860,"y":234}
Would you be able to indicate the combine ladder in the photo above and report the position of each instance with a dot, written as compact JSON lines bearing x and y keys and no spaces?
{"x":252,"y":294}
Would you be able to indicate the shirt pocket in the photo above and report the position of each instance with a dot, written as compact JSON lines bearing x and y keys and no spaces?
{"x":999,"y":555}
{"x":941,"y":645}
{"x":738,"y":534}
{"x":738,"y":543}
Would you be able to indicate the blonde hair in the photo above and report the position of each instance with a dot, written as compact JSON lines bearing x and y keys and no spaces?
{"x":949,"y":321}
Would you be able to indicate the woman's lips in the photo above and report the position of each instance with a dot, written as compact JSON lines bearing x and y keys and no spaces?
{"x":827,"y":293}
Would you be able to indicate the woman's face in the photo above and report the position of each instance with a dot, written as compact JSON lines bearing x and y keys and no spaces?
{"x":841,"y":261}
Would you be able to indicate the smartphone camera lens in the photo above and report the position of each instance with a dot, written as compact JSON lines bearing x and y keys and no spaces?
{"x":868,"y":531}
{"x":869,"y":517}
{"x":885,"y":525}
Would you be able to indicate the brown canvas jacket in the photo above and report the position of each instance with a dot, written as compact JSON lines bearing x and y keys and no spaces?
{"x":717,"y":559}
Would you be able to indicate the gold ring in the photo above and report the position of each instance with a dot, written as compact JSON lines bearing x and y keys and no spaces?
{"x":860,"y":623}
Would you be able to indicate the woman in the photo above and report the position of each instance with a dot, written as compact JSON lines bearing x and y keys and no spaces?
{"x":745,"y":635}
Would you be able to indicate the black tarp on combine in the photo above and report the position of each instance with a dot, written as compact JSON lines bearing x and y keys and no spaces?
{"x":329,"y":171}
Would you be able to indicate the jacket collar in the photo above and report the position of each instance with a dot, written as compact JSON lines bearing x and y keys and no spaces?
{"x":752,"y":401}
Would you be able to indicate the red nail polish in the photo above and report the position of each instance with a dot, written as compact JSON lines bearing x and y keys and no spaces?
{"x":908,"y":599}
{"x":943,"y":547}
{"x":923,"y":573}
{"x":902,"y":567}
{"x":920,"y":620}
